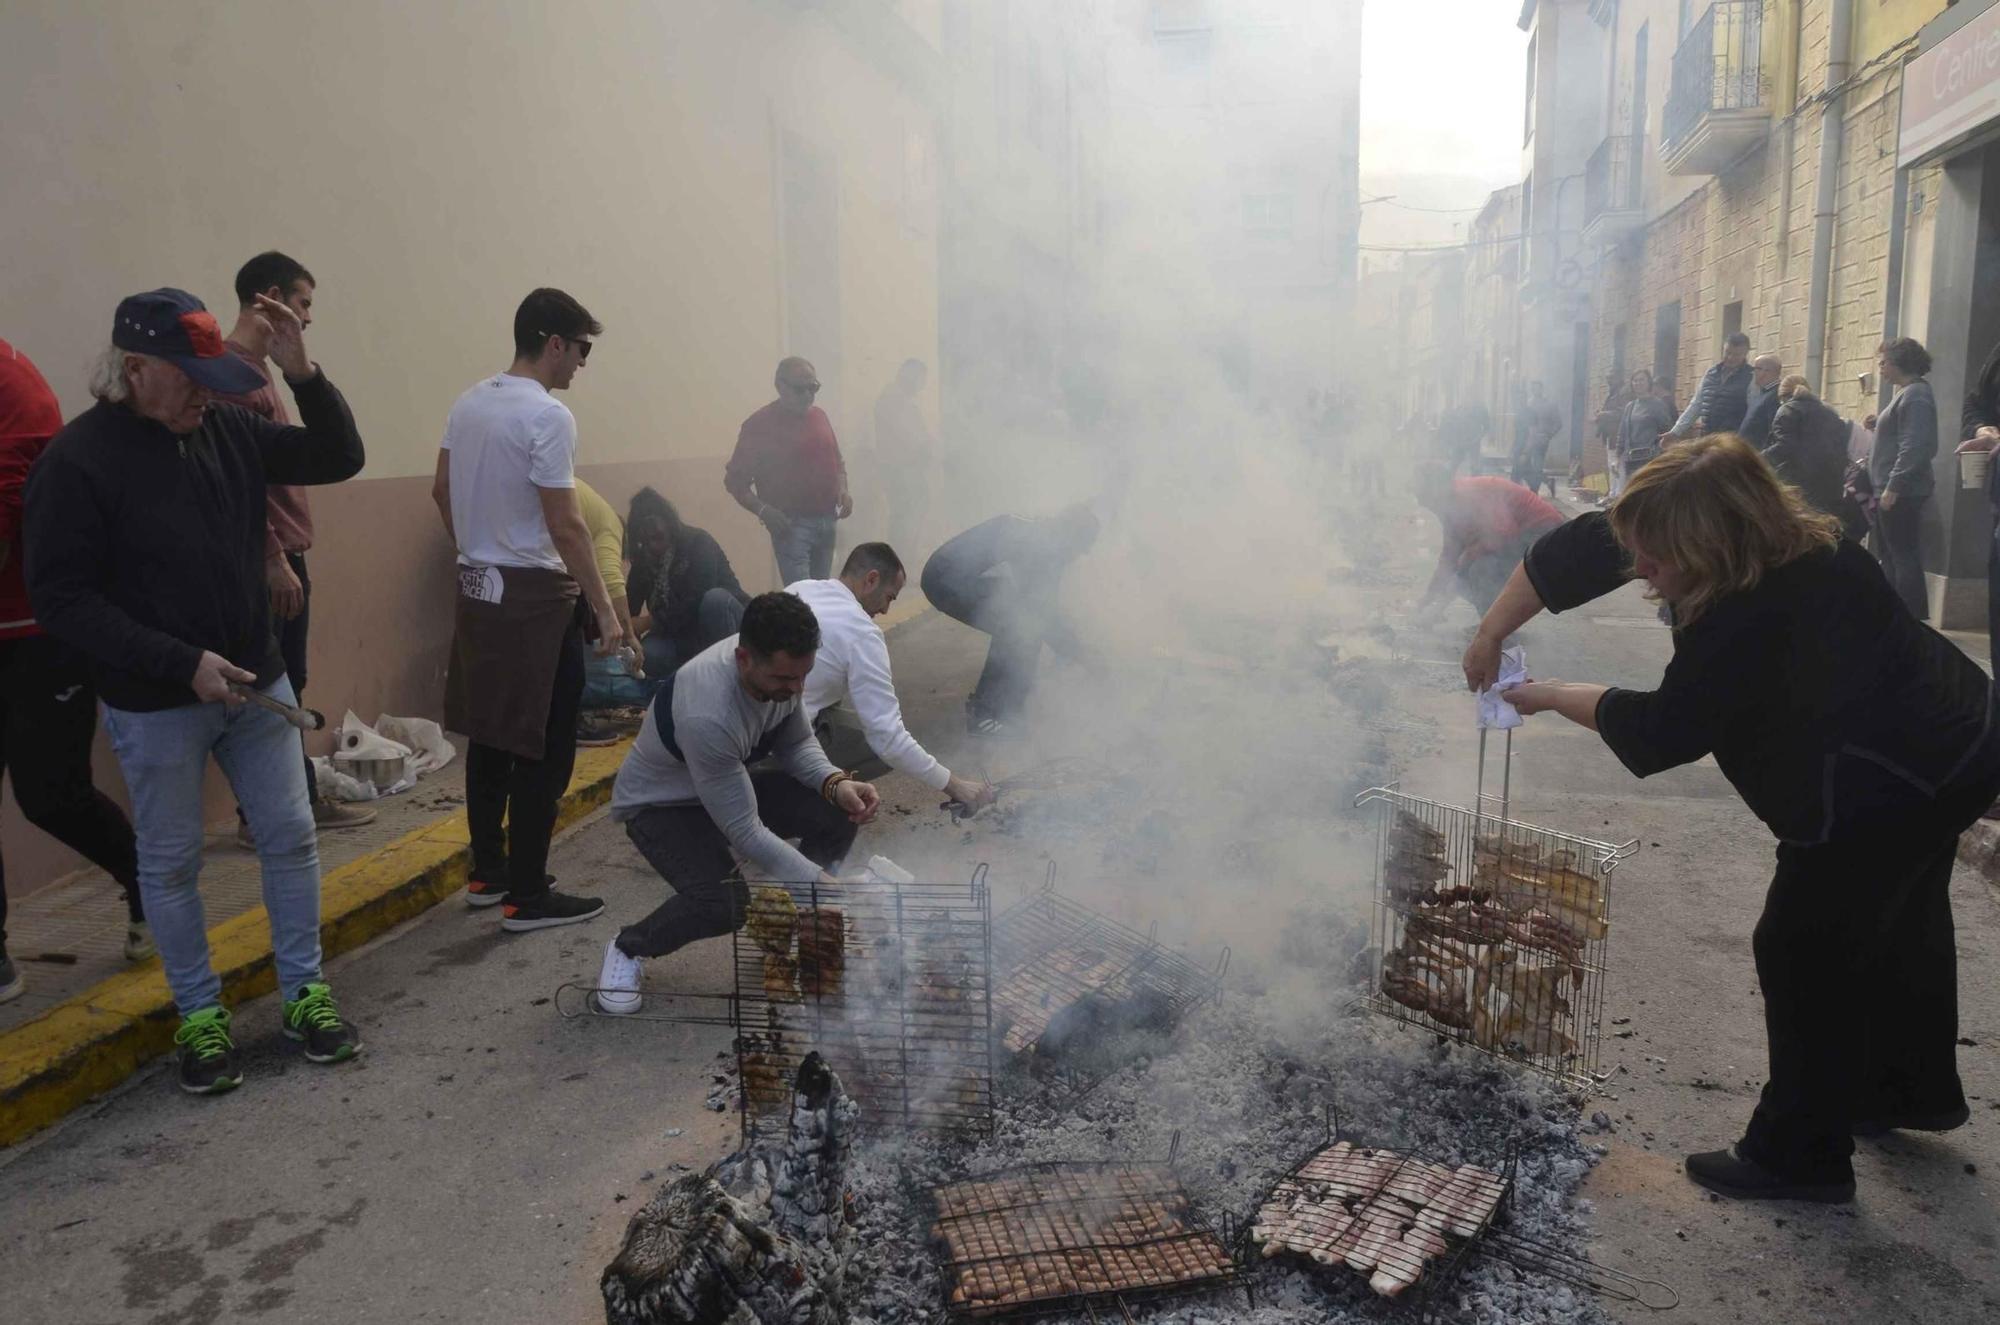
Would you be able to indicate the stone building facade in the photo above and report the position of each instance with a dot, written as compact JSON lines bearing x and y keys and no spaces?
{"x":1701,"y":201}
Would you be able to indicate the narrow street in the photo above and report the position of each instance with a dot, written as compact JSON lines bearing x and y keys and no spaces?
{"x":482,"y":1157}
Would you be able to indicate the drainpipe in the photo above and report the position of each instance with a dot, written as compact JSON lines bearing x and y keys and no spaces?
{"x":1839,"y":40}
{"x":1794,"y":43}
{"x":1892,"y":290}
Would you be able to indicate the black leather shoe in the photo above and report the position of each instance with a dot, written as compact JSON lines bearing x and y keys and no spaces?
{"x":1913,"y":1122}
{"x":1726,"y":1172}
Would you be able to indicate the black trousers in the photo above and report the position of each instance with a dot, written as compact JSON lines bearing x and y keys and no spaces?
{"x":523,"y":792}
{"x":292,"y":647}
{"x":48,"y":716}
{"x":1993,"y":600}
{"x":1017,"y":619}
{"x":1896,"y":547}
{"x":692,"y":855}
{"x":1856,"y":960}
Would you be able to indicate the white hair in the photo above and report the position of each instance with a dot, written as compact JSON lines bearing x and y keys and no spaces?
{"x":107,"y":375}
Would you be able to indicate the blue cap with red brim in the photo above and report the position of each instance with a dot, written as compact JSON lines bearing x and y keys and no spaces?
{"x":174,"y":325}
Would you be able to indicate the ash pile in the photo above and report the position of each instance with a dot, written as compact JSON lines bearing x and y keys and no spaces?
{"x":1143,"y":1155}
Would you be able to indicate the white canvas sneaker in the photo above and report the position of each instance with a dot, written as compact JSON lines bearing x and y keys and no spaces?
{"x":618,"y":983}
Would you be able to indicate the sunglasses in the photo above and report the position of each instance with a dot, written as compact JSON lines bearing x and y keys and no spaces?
{"x":582,"y":346}
{"x":809,"y":388}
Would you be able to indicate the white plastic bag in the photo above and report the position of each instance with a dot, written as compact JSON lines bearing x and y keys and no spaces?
{"x":429,"y":750}
{"x":357,"y":740}
{"x":1495,"y":713}
{"x":335,"y":785}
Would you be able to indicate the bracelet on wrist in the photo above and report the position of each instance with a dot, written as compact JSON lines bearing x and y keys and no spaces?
{"x":833,"y":780}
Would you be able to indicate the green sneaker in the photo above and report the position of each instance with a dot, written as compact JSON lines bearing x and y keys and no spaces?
{"x":208,"y":1056}
{"x":312,"y":1019}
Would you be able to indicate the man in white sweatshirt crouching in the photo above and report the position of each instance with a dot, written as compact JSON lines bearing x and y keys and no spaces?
{"x":853,"y":665}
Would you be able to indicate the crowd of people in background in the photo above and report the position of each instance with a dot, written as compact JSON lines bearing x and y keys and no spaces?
{"x":1873,"y":475}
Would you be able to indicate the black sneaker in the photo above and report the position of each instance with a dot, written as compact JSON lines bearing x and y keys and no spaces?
{"x":481,"y":893}
{"x":552,"y":908}
{"x":591,"y":732}
{"x":313,"y":1020}
{"x":12,"y":985}
{"x":978,"y":722}
{"x":1729,"y":1173}
{"x":208,"y":1056}
{"x":1943,"y":1121}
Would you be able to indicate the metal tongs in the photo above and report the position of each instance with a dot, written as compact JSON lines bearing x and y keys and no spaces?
{"x":305,"y":719}
{"x":1059,"y":772}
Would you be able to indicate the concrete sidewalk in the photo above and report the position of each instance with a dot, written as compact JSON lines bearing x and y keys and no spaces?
{"x":89,"y":1019}
{"x":84,"y":1026}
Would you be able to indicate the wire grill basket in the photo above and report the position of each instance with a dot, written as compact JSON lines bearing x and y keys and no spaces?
{"x":1075,"y":991}
{"x":1492,"y":932}
{"x":1058,"y":1238}
{"x":889,"y":982}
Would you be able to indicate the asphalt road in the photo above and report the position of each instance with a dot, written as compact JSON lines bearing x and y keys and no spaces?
{"x":481,"y":1158}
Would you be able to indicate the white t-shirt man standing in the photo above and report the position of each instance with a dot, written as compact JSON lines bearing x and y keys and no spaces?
{"x":506,"y":489}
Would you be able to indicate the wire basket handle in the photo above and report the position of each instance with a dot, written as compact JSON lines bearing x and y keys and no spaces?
{"x":1506,"y":775}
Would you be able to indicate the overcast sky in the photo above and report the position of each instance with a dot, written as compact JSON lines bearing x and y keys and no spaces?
{"x":1441,"y":89}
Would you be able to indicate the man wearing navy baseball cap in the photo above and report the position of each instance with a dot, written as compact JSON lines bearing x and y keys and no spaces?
{"x":144,"y":533}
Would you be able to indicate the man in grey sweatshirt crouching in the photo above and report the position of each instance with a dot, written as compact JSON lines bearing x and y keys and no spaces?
{"x":688,"y":798}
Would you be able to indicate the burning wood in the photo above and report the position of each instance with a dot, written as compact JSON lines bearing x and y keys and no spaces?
{"x":756,"y":1240}
{"x":1039,"y":1236}
{"x":1377,"y":1212}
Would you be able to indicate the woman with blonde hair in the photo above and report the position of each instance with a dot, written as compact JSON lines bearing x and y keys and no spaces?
{"x":1862,"y":738}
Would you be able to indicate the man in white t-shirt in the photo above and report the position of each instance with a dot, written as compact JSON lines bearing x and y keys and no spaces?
{"x":853,"y":664}
{"x":528,"y":589}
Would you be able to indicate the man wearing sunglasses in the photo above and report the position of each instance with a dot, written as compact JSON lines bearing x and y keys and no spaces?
{"x":528,"y":590}
{"x":787,"y":471}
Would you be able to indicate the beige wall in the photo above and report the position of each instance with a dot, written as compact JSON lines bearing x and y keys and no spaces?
{"x":431,"y":162}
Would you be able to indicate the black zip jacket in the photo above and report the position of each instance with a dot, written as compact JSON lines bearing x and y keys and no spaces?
{"x":145,"y":549}
{"x":1833,"y":712}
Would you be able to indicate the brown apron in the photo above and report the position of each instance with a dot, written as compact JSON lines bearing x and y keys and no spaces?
{"x":506,"y":645}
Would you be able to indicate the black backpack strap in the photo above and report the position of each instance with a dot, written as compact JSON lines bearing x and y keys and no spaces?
{"x":663,"y":723}
{"x":663,"y":717}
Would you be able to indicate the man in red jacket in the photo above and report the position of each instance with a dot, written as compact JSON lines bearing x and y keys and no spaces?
{"x":1489,"y":524}
{"x":787,"y":471}
{"x":48,"y":711}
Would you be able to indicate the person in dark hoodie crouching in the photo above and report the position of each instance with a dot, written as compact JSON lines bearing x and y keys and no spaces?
{"x":144,"y":534}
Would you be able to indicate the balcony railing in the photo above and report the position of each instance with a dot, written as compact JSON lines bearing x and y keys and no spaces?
{"x":1611,"y":177}
{"x":1719,"y":67}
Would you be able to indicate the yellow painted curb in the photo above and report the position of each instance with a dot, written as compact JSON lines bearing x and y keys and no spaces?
{"x":87,"y":1044}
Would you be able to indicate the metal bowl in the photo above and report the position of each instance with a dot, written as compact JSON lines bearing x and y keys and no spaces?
{"x":383,"y":773}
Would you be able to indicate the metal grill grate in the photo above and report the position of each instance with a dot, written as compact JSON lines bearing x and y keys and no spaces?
{"x":1444,"y":1216}
{"x":1401,"y":1222}
{"x":890,"y":983}
{"x":1492,"y":932}
{"x":1072,"y":987}
{"x":1050,"y":1239}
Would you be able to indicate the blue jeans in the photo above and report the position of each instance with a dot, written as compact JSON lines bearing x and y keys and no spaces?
{"x":607,"y":685}
{"x":805,"y":549}
{"x":718,"y":617}
{"x":164,"y":756}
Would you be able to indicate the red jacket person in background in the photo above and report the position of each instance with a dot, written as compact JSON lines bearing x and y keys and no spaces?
{"x":48,"y":711}
{"x":787,"y":471}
